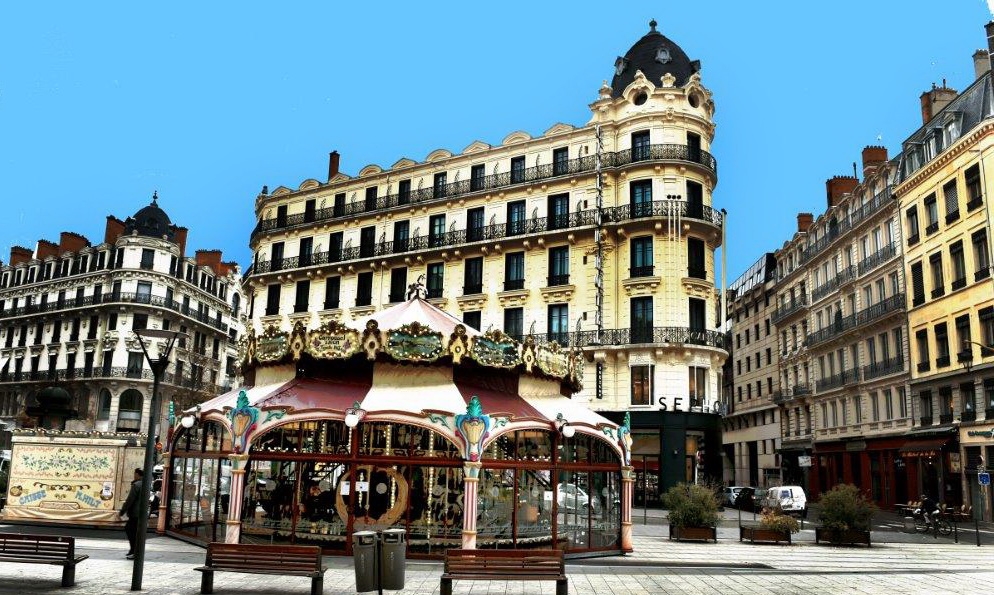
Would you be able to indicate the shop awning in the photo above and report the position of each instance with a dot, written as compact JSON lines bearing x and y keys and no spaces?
{"x":924,"y":448}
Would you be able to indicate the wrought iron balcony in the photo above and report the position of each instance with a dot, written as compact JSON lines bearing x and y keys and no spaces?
{"x":587,"y":163}
{"x":513,"y":284}
{"x":664,"y":208}
{"x":642,"y":271}
{"x":790,"y":307}
{"x":883,"y":368}
{"x":556,"y":280}
{"x":874,"y":260}
{"x":894,"y":303}
{"x":434,"y":293}
{"x":836,"y":328}
{"x":800,"y":390}
{"x":472,"y":288}
{"x":639,"y":335}
{"x":99,"y":372}
{"x":841,"y":379}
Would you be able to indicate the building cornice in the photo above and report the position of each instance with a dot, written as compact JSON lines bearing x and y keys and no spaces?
{"x":979,"y":132}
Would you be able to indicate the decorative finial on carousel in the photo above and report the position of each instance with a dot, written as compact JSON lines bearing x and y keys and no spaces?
{"x":417,"y":289}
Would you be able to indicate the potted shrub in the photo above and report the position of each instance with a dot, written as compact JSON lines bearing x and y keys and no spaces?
{"x":693,"y":512}
{"x":845,"y":516}
{"x":774,"y":527}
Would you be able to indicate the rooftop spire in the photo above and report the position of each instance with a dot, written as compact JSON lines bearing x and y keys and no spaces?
{"x":155,"y":198}
{"x":652,"y":25}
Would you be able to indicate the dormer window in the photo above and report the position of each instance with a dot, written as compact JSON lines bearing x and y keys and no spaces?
{"x":619,"y":65}
{"x":952,"y":128}
{"x":663,"y":55}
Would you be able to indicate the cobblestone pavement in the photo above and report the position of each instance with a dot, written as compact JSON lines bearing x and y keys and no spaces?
{"x":659,"y":566}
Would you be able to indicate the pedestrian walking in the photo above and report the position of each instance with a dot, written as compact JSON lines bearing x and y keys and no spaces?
{"x":131,"y":510}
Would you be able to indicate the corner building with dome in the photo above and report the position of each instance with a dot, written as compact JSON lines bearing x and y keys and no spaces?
{"x":598,"y":237}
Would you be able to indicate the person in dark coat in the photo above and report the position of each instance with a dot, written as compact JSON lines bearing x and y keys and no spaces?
{"x":131,"y":509}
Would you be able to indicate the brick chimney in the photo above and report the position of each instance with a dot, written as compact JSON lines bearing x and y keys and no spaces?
{"x":873,"y":156}
{"x":72,"y":242}
{"x":333,"y":158}
{"x":935,"y":99}
{"x":804,"y":221}
{"x":180,"y":237}
{"x":19,"y":254}
{"x":209,"y":258}
{"x":837,"y":186}
{"x":114,"y":229}
{"x":981,"y":63}
{"x":46,"y":249}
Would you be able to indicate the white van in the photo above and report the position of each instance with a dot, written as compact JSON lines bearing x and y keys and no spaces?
{"x":790,"y":499}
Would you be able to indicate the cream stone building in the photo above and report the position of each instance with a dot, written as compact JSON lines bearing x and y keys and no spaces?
{"x":943,"y":187}
{"x":751,"y":426}
{"x":600,"y":237}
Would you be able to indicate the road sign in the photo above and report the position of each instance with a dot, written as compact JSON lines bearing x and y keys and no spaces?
{"x":984,"y":479}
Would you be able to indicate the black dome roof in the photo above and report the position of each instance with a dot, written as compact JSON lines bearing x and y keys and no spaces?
{"x":654,"y":55}
{"x":150,"y":221}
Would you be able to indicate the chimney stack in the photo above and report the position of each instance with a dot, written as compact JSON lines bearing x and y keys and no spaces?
{"x":19,"y":254}
{"x":332,"y":164}
{"x":804,"y":221}
{"x":72,"y":242}
{"x":981,"y":63}
{"x":180,"y":238}
{"x":873,"y":156}
{"x":113,"y":230}
{"x":837,"y":186}
{"x":934,"y":100}
{"x":46,"y":249}
{"x":209,"y":258}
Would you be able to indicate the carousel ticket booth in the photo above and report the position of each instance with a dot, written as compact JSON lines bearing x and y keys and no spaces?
{"x":405,"y":419}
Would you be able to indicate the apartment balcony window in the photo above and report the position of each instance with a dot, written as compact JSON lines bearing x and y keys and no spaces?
{"x":148,"y":259}
{"x":558,"y":211}
{"x":559,"y":266}
{"x":474,"y":224}
{"x":332,"y":290}
{"x":642,"y":271}
{"x":641,"y":257}
{"x":695,"y":259}
{"x":303,"y":296}
{"x":473,"y":276}
{"x":436,"y":279}
{"x":641,"y":320}
{"x":640,"y":145}
{"x":398,"y":284}
{"x":514,"y":271}
{"x":477,"y":177}
{"x":517,"y":170}
{"x":364,"y":289}
{"x":514,"y":284}
{"x":515,"y":218}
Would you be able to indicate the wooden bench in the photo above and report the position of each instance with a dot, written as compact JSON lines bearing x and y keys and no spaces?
{"x":504,"y":565}
{"x":57,"y":550}
{"x":286,"y":560}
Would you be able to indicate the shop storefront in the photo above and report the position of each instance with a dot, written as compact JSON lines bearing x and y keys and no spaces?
{"x":463,"y":440}
{"x":977,"y":444}
{"x":877,"y":466}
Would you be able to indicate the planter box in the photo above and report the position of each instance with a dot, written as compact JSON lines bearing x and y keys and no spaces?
{"x":694,"y":533}
{"x":760,"y":534}
{"x":850,"y":537}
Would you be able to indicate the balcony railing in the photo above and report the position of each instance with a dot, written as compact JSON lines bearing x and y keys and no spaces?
{"x":841,"y":278}
{"x":513,"y":284}
{"x":642,"y":271}
{"x":831,"y":331}
{"x":638,"y":335}
{"x":841,"y":379}
{"x":874,"y":260}
{"x":883,"y":368}
{"x":894,"y":303}
{"x":846,"y":224}
{"x":97,"y":372}
{"x":556,"y":280}
{"x":789,"y":308}
{"x":587,"y":163}
{"x":472,"y":288}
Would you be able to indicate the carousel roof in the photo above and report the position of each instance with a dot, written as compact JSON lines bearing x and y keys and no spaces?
{"x":414,"y":310}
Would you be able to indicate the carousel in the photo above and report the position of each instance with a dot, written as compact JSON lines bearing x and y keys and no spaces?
{"x":404,"y":419}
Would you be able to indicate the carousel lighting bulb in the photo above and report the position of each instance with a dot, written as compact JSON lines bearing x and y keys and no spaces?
{"x":188,"y":421}
{"x":568,"y":431}
{"x":351,"y":419}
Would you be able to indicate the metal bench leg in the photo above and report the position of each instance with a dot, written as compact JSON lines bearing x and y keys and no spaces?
{"x":562,"y":587}
{"x":69,"y":575}
{"x":317,"y":585}
{"x":445,"y":586}
{"x":207,"y":581}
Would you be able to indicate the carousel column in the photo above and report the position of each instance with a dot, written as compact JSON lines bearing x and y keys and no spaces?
{"x":471,"y":485}
{"x":164,"y":497}
{"x":627,"y":493}
{"x":233,"y":531}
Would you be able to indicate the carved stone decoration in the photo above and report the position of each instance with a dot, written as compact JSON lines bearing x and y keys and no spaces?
{"x":372,"y":341}
{"x":528,"y":356}
{"x":298,"y":340}
{"x":458,"y":343}
{"x":272,"y":345}
{"x":333,"y":340}
{"x":414,"y":342}
{"x":496,"y":349}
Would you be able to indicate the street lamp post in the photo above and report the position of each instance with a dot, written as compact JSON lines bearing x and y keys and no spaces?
{"x":158,"y":367}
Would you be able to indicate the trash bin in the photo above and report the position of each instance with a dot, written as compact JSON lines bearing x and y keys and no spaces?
{"x":393,"y":558}
{"x":364,"y":558}
{"x":909,"y":524}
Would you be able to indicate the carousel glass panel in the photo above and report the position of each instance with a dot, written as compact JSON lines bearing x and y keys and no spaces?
{"x":605,"y":510}
{"x":268,"y":507}
{"x":379,"y":439}
{"x":495,"y":509}
{"x":428,"y":443}
{"x":575,"y":449}
{"x":574,"y":504}
{"x":534,"y":509}
{"x":285,"y":438}
{"x":323,"y":500}
{"x":500,"y":449}
{"x":326,"y":437}
{"x":206,"y":437}
{"x":436,"y":509}
{"x":534,"y":445}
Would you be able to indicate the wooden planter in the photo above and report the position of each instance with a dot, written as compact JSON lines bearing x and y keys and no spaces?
{"x":694,"y":533}
{"x":850,"y":537}
{"x":762,"y":535}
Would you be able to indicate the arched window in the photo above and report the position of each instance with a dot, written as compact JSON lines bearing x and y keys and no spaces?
{"x":103,"y":409}
{"x":129,"y":410}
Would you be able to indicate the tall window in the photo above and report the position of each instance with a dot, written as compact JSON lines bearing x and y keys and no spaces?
{"x":303,"y":295}
{"x":436,"y":279}
{"x":515,"y":217}
{"x":559,"y":266}
{"x":921,"y":340}
{"x":404,"y":192}
{"x":941,"y":345}
{"x":148,"y":259}
{"x":931,"y":214}
{"x":367,"y":241}
{"x":472,"y":319}
{"x":401,"y":236}
{"x":986,"y":316}
{"x":974,"y":194}
{"x":310,"y":209}
{"x":436,"y":230}
{"x":332,"y":293}
{"x":642,"y":385}
{"x":981,"y":255}
{"x":398,"y":284}
{"x":952,"y":200}
{"x":640,"y":197}
{"x":275,"y":258}
{"x":281,"y":212}
{"x":143,"y":293}
{"x":695,"y":259}
{"x":640,"y":145}
{"x":697,"y":316}
{"x":273,"y":299}
{"x":560,"y":161}
{"x":517,"y":169}
{"x":641,"y":256}
{"x":477,"y":175}
{"x":558,"y":328}
{"x":514,"y":322}
{"x":958,"y":264}
{"x":558,"y":211}
{"x":963,"y":338}
{"x":474,"y":224}
{"x":335,"y":243}
{"x":439,"y":184}
{"x":917,"y":284}
{"x":473,"y":276}
{"x":698,"y":385}
{"x":641,"y":313}
{"x":938,"y":283}
{"x":339,"y":208}
{"x":514,"y":271}
{"x":364,"y":289}
{"x":370,"y":203}
{"x":306,"y":251}
{"x":695,"y":200}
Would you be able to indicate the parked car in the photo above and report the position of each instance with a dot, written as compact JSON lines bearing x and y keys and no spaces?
{"x":759,"y":499}
{"x":745,"y":499}
{"x":729,"y":493}
{"x":790,"y":499}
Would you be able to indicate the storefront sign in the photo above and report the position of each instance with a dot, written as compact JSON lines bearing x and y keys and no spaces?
{"x":856,"y":446}
{"x":803,"y":461}
{"x":333,"y":341}
{"x":980,"y":433}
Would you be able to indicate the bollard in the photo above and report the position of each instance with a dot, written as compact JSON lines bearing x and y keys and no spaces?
{"x":955,"y":531}
{"x":976,"y":527}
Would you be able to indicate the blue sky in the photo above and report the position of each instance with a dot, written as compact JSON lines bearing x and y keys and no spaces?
{"x":205,"y":103}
